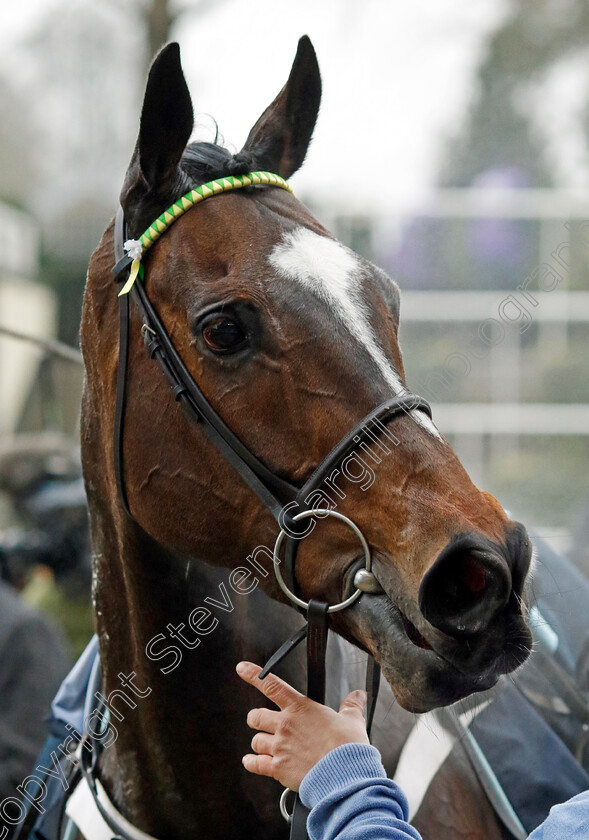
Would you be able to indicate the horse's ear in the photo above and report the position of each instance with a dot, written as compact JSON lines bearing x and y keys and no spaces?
{"x":166,"y":117}
{"x":279,"y":140}
{"x":166,"y":125}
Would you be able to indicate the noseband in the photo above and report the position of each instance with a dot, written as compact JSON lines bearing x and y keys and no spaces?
{"x":281,"y":497}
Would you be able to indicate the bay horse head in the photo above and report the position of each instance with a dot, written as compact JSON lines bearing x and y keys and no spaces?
{"x":292,"y":338}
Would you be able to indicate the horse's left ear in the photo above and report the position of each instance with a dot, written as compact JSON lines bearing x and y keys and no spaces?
{"x":279,"y":140}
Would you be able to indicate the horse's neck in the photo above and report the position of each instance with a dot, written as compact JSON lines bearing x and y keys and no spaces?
{"x":177,"y":754}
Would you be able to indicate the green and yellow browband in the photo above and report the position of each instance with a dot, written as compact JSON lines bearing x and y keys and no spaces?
{"x":136,"y":248}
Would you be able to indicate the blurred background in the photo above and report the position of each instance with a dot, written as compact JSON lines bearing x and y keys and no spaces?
{"x":452,"y":148}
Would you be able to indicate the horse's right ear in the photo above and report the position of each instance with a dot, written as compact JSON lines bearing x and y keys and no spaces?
{"x":166,"y":125}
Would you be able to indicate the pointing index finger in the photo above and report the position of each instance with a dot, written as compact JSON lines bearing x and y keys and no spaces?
{"x":272,"y":687}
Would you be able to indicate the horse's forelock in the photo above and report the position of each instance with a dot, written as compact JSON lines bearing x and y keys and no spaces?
{"x":200,"y":163}
{"x":204,"y":162}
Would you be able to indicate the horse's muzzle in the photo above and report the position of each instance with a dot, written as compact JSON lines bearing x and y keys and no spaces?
{"x":465,"y":630}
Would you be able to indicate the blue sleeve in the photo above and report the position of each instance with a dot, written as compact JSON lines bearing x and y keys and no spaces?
{"x":569,"y":821}
{"x":351,"y":798}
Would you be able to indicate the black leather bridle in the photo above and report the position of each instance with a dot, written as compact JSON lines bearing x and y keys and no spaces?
{"x":282,"y":498}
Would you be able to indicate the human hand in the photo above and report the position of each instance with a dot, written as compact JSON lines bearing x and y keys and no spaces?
{"x":290,"y":742}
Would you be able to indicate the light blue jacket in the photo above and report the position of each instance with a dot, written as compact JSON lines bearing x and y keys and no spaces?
{"x":351,"y":798}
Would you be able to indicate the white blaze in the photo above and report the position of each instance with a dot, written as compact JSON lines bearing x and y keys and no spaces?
{"x":333,"y":273}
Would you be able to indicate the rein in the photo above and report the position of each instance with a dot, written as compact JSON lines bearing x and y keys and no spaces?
{"x":276,"y":494}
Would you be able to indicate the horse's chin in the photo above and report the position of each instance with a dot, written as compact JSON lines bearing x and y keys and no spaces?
{"x":437,"y":684}
{"x":419,"y":669}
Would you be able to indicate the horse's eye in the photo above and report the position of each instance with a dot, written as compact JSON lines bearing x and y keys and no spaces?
{"x":224,"y":335}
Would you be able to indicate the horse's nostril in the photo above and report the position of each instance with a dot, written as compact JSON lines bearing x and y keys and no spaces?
{"x":471,"y":577}
{"x":464,"y":589}
{"x":460,"y":585}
